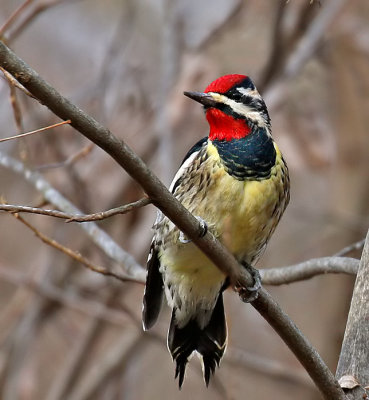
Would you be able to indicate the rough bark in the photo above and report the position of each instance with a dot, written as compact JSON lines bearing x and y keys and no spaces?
{"x":353,"y":364}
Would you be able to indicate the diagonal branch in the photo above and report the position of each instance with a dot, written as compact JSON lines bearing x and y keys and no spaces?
{"x":98,"y":236}
{"x":304,"y":49}
{"x":75,"y":255}
{"x":46,"y":128}
{"x":170,"y":206}
{"x":352,"y":247}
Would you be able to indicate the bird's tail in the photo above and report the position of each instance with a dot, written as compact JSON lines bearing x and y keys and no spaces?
{"x":209,"y":342}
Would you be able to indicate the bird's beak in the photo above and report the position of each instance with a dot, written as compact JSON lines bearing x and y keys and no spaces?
{"x":206,"y":99}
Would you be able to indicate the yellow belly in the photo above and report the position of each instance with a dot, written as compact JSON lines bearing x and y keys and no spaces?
{"x":242,"y":214}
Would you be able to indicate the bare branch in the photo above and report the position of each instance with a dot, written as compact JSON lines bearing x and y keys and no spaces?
{"x":304,"y":50}
{"x":15,"y":83}
{"x":41,"y":7}
{"x":311,"y":39}
{"x":97,"y":235}
{"x":75,"y":217}
{"x":309,"y":269}
{"x":352,"y":247}
{"x":171,"y":207}
{"x":73,"y":254}
{"x":14,"y":16}
{"x":46,"y":128}
{"x":17,"y":113}
{"x":70,"y":160}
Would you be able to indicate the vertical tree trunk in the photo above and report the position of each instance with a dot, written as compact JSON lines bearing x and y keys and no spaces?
{"x":353,"y":365}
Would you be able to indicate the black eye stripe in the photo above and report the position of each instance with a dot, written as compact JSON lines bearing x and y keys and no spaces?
{"x":254,"y":104}
{"x":228,"y":110}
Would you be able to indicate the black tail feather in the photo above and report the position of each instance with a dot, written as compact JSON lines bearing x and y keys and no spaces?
{"x":210,"y":342}
{"x":154,"y":290}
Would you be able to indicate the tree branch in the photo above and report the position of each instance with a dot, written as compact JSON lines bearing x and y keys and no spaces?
{"x":131,"y":267}
{"x":21,"y":135}
{"x":303,"y":50}
{"x":76,"y":217}
{"x":75,"y":255}
{"x":170,"y":206}
{"x":348,"y":249}
{"x":309,"y":269}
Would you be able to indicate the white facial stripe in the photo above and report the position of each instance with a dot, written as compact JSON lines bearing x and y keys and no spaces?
{"x":239,"y":108}
{"x":249,"y":92}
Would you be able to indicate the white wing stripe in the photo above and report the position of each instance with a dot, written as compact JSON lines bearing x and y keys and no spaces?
{"x":182,"y":169}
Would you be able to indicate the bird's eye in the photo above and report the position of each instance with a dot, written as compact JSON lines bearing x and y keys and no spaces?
{"x":237,"y":96}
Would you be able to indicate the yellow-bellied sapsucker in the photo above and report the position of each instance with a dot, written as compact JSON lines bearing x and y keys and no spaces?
{"x":237,"y":182}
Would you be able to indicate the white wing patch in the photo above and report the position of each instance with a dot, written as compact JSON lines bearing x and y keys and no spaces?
{"x":183,"y":169}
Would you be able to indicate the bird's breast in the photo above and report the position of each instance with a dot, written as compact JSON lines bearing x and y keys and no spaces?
{"x":244,"y":213}
{"x":241,"y":213}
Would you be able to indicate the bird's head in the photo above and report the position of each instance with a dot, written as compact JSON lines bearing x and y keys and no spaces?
{"x":233,"y":107}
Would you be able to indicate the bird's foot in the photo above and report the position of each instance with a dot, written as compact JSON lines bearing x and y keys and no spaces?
{"x":249,"y":294}
{"x":203,"y":229}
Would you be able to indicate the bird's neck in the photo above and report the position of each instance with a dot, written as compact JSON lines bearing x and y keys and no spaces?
{"x":251,"y":157}
{"x":226,"y":127}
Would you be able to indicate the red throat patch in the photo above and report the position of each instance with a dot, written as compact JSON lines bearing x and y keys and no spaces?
{"x":225,"y":127}
{"x":224,"y":83}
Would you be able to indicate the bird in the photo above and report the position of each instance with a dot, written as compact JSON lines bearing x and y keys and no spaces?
{"x":236,"y":182}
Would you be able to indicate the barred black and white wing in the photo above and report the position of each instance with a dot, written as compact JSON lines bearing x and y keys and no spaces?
{"x":154,"y":289}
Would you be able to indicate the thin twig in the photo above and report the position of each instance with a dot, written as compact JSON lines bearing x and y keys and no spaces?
{"x":277,"y":48}
{"x":77,"y":218}
{"x":37,"y":10}
{"x":14,"y":16}
{"x":13,"y":101}
{"x":303,"y":51}
{"x":70,"y":160}
{"x":309,"y":269}
{"x":73,"y":254}
{"x":125,"y":260}
{"x":174,"y":210}
{"x":15,"y":83}
{"x":352,"y":247}
{"x":46,"y":128}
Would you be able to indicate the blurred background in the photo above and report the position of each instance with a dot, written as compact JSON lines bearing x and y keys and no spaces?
{"x":70,"y":333}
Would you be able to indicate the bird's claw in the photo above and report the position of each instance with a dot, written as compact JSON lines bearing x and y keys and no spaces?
{"x":203,"y":226}
{"x":183,"y":239}
{"x":203,"y":229}
{"x":249,"y":294}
